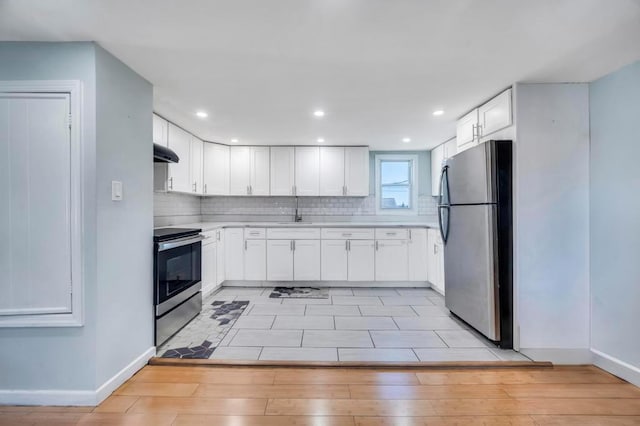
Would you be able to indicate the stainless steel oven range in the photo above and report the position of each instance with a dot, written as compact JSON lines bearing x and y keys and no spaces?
{"x":177,"y":272}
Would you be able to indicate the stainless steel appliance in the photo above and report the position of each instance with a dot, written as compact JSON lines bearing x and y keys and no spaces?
{"x":177,"y":277}
{"x":475,"y":215}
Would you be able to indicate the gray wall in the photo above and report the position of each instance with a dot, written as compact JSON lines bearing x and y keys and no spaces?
{"x":57,"y":358}
{"x":615,"y":217}
{"x":551,"y":214}
{"x":125,"y":228}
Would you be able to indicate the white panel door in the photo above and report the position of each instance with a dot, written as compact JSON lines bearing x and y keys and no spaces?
{"x":255,"y":260}
{"x":450,"y":148}
{"x":391,"y":260}
{"x":220,"y":256}
{"x":307,"y":170}
{"x":216,"y":169}
{"x":332,"y":171}
{"x":356,"y":171}
{"x":465,"y":130}
{"x":195,"y":165}
{"x":180,"y":173}
{"x":495,"y":114}
{"x":209,"y":266}
{"x":280,"y":260}
{"x":259,"y":170}
{"x":361,"y":260}
{"x":418,"y":254}
{"x":239,"y":170}
{"x":333,"y":260}
{"x":234,"y":253}
{"x":437,"y":156}
{"x":160,"y":128}
{"x":36,"y":212}
{"x":306,"y":260}
{"x":282,"y":170}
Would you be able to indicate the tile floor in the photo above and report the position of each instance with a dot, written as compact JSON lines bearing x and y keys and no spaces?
{"x":353,"y":324}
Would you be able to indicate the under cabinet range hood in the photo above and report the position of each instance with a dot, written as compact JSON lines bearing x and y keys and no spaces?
{"x":162,"y":154}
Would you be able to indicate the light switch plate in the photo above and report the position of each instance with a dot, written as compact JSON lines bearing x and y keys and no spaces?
{"x":116,"y":190}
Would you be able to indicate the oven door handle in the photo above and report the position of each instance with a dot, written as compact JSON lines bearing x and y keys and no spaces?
{"x":168,"y":245}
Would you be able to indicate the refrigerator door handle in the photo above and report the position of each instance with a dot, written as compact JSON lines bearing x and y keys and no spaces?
{"x":444,"y":177}
{"x":444,"y":233}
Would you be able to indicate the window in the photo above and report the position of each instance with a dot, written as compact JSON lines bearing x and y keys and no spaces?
{"x":396,"y":187}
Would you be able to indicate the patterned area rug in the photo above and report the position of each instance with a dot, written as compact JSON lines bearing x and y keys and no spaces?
{"x":300,"y":292}
{"x":203,"y":334}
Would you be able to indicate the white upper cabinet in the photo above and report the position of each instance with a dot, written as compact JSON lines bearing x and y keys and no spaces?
{"x":249,"y":170}
{"x":437,"y":156}
{"x":195,"y":165}
{"x":495,"y":114}
{"x":259,"y":184}
{"x":180,"y":173}
{"x":160,"y":130}
{"x":216,"y":169}
{"x":332,"y":171}
{"x":307,"y":170}
{"x":450,"y":148}
{"x":239,"y":170}
{"x":356,"y":171}
{"x":490,"y":117}
{"x":282,"y":170}
{"x":466,"y":130}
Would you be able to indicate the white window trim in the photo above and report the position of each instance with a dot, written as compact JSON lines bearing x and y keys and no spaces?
{"x":413,"y":211}
{"x":76,"y":317}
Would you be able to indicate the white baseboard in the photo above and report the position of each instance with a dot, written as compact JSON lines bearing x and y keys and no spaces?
{"x":335,"y":284}
{"x":123,"y":375}
{"x":76,"y":397}
{"x":208,"y":290}
{"x":616,"y":367}
{"x":559,"y":355}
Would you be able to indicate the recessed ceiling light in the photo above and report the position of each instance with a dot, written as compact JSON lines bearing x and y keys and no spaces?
{"x":234,"y":140}
{"x":318,"y":113}
{"x":438,"y":112}
{"x":202,"y":114}
{"x":320,"y":140}
{"x":406,"y":140}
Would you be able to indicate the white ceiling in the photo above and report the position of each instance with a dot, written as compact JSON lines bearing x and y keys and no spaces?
{"x":377,"y":67}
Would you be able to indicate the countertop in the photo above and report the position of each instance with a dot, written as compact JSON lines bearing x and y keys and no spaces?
{"x":208,"y":226}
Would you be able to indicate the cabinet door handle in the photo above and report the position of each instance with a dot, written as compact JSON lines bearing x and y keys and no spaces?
{"x":250,"y":190}
{"x":409,"y":234}
{"x":245,"y":245}
{"x":195,"y":186}
{"x":294,"y":245}
{"x":291,"y":245}
{"x":346,"y":245}
{"x":205,"y":188}
{"x":349,"y":245}
{"x":479,"y":130}
{"x":376,"y":245}
{"x":218,"y":235}
{"x":171,"y":183}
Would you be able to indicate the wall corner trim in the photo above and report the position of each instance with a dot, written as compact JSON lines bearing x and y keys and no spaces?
{"x":616,"y":367}
{"x":76,"y":397}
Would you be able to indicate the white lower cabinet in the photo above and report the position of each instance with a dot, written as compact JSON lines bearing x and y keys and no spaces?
{"x":306,"y":260}
{"x":435,"y":260}
{"x":255,"y":260}
{"x":234,"y":253}
{"x":279,"y":260}
{"x":361,"y":260}
{"x":334,"y":260}
{"x":391,"y":260}
{"x":220,"y":265}
{"x":417,"y":254}
{"x":209,"y":265}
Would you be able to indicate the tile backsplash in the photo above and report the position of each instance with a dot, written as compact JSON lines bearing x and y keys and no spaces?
{"x":175,"y":208}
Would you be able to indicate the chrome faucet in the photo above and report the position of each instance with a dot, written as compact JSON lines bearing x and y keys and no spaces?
{"x":298,"y":217}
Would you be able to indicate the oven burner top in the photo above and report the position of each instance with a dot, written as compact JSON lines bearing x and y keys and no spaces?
{"x":167,"y":234}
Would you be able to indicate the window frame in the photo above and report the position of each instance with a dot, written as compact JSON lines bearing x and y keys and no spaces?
{"x":413,"y":184}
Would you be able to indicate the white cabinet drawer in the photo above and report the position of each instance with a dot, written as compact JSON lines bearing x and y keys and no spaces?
{"x":293,"y":233}
{"x":392,"y":234}
{"x":255,"y":233}
{"x":210,"y":237}
{"x":347,"y":234}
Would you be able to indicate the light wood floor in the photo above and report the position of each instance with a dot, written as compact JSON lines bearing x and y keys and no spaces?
{"x":238,"y":396}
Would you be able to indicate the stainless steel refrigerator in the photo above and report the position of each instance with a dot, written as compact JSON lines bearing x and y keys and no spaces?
{"x":475,"y":215}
